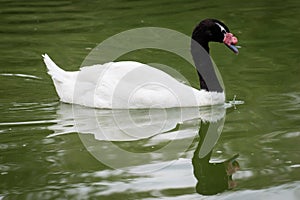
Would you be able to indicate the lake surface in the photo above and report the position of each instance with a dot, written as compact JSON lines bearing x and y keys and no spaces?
{"x":51,"y":150}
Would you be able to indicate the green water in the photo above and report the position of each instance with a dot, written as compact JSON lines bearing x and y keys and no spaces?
{"x":264,"y":131}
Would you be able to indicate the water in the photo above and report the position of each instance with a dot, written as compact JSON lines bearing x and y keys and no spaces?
{"x":43,"y":156}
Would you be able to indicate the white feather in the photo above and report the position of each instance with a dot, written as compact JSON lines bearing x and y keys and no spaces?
{"x":126,"y":84}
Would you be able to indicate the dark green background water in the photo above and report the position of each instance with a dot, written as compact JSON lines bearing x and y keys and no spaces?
{"x":265,"y":131}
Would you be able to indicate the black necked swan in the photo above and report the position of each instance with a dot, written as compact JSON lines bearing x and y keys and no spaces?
{"x":150,"y":87}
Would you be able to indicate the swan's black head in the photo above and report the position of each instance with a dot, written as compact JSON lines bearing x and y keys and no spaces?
{"x":212,"y":30}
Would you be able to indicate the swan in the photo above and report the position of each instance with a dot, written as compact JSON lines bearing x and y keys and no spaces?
{"x":130,"y":84}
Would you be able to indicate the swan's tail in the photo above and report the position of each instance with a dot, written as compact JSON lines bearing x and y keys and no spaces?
{"x":63,"y":80}
{"x":56,"y":73}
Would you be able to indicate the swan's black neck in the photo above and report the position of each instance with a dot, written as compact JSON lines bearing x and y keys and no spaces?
{"x":207,"y":75}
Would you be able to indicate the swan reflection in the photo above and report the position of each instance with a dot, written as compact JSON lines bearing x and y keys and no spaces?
{"x":212,"y":177}
{"x":127,"y":139}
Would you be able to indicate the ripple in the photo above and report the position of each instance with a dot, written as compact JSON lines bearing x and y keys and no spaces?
{"x":21,"y":75}
{"x":292,"y":135}
{"x":295,"y":166}
{"x":28,"y":122}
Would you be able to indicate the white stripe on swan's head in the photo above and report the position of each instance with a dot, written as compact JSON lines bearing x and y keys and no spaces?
{"x":223,"y":30}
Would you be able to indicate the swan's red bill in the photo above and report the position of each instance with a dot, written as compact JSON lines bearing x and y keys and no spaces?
{"x":230,"y":41}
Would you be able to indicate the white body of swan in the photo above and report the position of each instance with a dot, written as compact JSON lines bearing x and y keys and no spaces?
{"x":126,"y":84}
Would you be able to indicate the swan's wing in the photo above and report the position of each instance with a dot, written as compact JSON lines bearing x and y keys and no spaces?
{"x":129,"y":84}
{"x":95,"y":84}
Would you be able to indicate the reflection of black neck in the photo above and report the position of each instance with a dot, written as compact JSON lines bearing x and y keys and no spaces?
{"x":202,"y":133}
{"x":211,"y":177}
{"x":207,"y":76}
